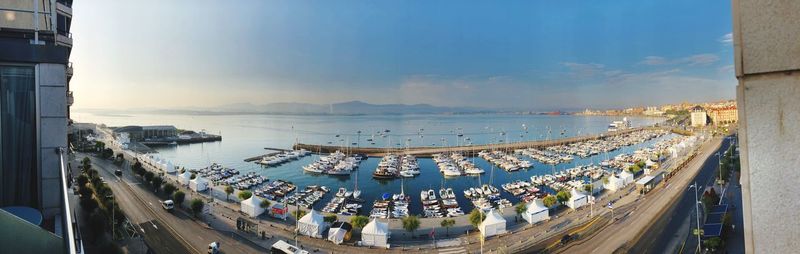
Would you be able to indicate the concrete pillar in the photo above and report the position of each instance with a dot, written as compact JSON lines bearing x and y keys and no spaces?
{"x":767,"y":57}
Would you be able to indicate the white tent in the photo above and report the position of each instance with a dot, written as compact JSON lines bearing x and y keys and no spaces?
{"x":339,"y":232}
{"x":375,"y":233}
{"x":185,"y":177}
{"x":170,"y":168}
{"x":577,"y":200}
{"x":252,"y":206}
{"x":198,"y":184}
{"x":312,"y":224}
{"x":494,"y":224}
{"x":536,"y":212}
{"x":614,"y":183}
{"x":627,"y":177}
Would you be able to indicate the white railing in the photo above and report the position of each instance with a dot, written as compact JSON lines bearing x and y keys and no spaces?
{"x":72,"y":239}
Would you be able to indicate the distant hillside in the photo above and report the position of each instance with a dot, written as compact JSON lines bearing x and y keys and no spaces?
{"x":288,"y":108}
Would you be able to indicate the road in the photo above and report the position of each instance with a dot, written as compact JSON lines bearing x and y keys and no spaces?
{"x":142,"y":207}
{"x":618,"y":235}
{"x":669,"y":232}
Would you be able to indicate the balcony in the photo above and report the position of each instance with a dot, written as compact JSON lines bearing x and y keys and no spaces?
{"x":69,"y":71}
{"x":64,"y":8}
{"x":64,"y":39}
{"x":70,"y":98}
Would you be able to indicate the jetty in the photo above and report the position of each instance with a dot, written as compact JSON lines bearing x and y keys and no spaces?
{"x":470,"y":150}
{"x":258,"y":157}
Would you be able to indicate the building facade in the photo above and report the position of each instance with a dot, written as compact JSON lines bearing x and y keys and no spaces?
{"x":35,"y":46}
{"x":723,"y":115}
{"x":698,"y":117}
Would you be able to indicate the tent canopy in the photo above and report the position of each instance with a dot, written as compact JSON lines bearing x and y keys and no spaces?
{"x":376,"y":227}
{"x":536,"y":206}
{"x":313,"y":218}
{"x":493,"y":217}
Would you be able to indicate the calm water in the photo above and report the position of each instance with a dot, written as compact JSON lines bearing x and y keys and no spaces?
{"x":247,"y":135}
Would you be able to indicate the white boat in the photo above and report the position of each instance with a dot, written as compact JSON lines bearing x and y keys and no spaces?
{"x":406,"y":174}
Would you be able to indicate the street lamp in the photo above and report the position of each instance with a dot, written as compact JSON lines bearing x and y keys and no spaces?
{"x":697,"y":208}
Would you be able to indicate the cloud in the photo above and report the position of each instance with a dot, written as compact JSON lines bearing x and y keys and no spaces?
{"x":700,"y":59}
{"x":693,"y":60}
{"x":583,"y":70}
{"x":653,"y":60}
{"x":726,"y":39}
{"x":726,"y":69}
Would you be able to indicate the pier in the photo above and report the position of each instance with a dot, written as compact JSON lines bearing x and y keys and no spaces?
{"x":258,"y":157}
{"x":471,"y":150}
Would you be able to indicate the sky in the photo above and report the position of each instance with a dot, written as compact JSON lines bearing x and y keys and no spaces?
{"x":510,"y":54}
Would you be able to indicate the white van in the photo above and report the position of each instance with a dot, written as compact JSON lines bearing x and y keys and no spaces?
{"x":168,"y":205}
{"x":213,"y":248}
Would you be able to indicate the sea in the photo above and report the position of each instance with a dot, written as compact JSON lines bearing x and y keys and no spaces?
{"x":245,"y":136}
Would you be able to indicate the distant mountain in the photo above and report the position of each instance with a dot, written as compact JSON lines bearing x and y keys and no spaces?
{"x":344,"y":108}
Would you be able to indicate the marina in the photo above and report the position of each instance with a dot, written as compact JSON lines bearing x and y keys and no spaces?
{"x":288,"y":178}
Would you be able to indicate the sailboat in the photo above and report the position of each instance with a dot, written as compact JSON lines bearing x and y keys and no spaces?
{"x":356,"y":192}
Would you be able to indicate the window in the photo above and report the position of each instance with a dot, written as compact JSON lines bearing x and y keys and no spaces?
{"x":18,"y":162}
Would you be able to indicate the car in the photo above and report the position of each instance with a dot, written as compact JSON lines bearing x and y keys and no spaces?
{"x":213,"y":248}
{"x":118,"y":172}
{"x":168,"y":205}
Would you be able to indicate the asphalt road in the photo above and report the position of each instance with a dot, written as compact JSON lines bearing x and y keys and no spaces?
{"x":618,"y":236}
{"x":669,"y":232}
{"x":143,"y":208}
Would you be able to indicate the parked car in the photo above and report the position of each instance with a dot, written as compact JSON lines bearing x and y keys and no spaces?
{"x":118,"y":172}
{"x":213,"y":248}
{"x":168,"y":205}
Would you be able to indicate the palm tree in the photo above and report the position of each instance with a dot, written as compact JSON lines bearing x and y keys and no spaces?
{"x":410,"y":224}
{"x":520,"y":209}
{"x":447,"y":223}
{"x":476,"y":217}
{"x":228,"y":192}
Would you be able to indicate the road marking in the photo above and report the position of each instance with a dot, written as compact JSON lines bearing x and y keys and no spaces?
{"x":154,"y":225}
{"x":452,"y":250}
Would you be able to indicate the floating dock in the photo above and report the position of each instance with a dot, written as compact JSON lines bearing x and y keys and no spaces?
{"x":471,"y":150}
{"x":258,"y":157}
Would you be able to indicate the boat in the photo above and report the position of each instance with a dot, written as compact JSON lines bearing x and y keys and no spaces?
{"x":406,"y":174}
{"x":341,"y":192}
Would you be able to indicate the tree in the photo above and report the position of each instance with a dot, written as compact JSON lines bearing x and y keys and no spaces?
{"x":178,"y":197}
{"x":299,"y":213}
{"x":137,"y":167}
{"x":265,"y":203}
{"x":245,"y":195}
{"x":120,"y":157}
{"x":588,"y":188}
{"x":197,"y":206}
{"x":713,"y":243}
{"x":563,"y":196}
{"x":82,"y":180}
{"x":331,"y":218}
{"x":549,"y":201}
{"x":476,"y":217}
{"x":641,"y":164}
{"x":169,"y":189}
{"x":88,"y":204}
{"x":228,"y":191}
{"x":156,"y":181}
{"x":97,"y":223}
{"x":410,"y":224}
{"x":86,"y":163}
{"x":634,"y":169}
{"x":447,"y":223}
{"x":107,"y":153}
{"x":359,"y":221}
{"x":520,"y":209}
{"x":193,"y":176}
{"x":99,"y":146}
{"x":148,"y":176}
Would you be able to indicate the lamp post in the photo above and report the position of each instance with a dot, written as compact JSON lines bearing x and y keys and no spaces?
{"x":697,"y":209}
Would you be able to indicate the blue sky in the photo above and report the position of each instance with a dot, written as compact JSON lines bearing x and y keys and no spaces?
{"x":513,"y":54}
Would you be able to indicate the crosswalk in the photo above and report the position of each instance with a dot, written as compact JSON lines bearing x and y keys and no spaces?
{"x":453,"y":250}
{"x":451,"y":246}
